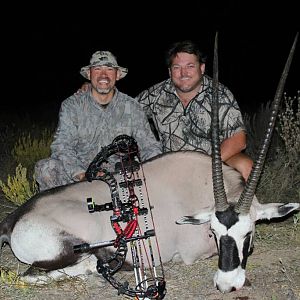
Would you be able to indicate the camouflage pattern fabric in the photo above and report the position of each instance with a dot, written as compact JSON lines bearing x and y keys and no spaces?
{"x":103,"y":58}
{"x":84,"y":128}
{"x":49,"y":173}
{"x":188,"y":128}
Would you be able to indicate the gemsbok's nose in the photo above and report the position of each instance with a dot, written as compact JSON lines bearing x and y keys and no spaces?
{"x":229,"y":290}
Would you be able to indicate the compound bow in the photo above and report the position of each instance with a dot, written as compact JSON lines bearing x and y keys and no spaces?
{"x":149,"y":285}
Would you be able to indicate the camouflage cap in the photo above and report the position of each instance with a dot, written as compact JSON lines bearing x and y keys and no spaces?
{"x":102,"y":58}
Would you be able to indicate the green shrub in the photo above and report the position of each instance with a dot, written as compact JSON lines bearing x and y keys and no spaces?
{"x":18,"y":189}
{"x":28,"y":150}
{"x":30,"y":146}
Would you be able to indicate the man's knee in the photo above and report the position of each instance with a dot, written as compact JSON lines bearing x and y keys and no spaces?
{"x":246,"y":166}
{"x":46,"y":166}
{"x":242,"y":163}
{"x":50,"y":173}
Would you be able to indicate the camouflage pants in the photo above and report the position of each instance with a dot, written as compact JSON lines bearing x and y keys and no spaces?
{"x":49,"y":173}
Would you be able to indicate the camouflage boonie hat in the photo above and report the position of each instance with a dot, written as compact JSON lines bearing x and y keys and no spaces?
{"x":102,"y":58}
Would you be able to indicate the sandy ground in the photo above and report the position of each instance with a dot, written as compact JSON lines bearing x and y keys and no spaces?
{"x":273,"y":271}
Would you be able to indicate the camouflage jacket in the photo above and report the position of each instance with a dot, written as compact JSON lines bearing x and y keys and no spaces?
{"x":84,"y":127}
{"x":189,"y":128}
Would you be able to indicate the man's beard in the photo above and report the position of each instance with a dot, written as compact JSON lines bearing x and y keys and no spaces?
{"x":188,"y":88}
{"x":103,"y":91}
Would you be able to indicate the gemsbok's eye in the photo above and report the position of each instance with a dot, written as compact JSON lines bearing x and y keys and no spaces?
{"x":248,"y":234}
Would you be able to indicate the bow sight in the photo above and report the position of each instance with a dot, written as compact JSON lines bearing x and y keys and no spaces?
{"x":137,"y":231}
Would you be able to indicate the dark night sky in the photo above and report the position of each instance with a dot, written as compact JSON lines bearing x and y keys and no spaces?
{"x":45,"y":48}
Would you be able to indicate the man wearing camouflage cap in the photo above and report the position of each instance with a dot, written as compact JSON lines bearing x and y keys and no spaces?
{"x":91,"y":120}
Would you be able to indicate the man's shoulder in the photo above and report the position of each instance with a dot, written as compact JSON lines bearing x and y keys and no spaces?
{"x":75,"y":100}
{"x":74,"y":105}
{"x":128,"y":101}
{"x":125,"y":96}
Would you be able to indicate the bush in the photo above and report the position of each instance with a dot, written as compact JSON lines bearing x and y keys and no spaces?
{"x":289,"y":128}
{"x":28,"y":150}
{"x":280,"y":180}
{"x":18,"y":189}
{"x":31,"y":146}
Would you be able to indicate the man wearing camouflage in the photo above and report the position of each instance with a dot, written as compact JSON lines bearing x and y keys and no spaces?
{"x":92,"y":119}
{"x":180,"y":108}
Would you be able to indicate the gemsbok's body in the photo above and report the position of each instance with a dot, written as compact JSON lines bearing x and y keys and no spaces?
{"x":183,"y":188}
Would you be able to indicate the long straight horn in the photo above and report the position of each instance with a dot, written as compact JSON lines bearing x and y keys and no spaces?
{"x":221,"y":203}
{"x":246,"y":197}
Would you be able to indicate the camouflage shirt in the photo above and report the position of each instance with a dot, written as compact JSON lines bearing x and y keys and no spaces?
{"x":189,"y":128}
{"x":85,"y":127}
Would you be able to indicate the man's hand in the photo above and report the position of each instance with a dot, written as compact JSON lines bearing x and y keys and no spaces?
{"x":81,"y":177}
{"x":84,"y":88}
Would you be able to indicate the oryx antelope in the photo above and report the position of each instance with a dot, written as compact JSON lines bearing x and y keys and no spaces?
{"x":182,"y":188}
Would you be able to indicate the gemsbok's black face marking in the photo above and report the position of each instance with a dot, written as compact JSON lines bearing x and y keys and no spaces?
{"x":228,"y":217}
{"x":247,"y":249}
{"x":229,"y":256}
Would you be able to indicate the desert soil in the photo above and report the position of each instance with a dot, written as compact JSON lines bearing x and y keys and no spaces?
{"x":273,"y":271}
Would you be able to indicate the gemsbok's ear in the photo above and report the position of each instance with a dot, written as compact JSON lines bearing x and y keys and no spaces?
{"x":275,"y":210}
{"x":196,"y":219}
